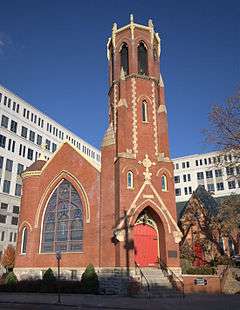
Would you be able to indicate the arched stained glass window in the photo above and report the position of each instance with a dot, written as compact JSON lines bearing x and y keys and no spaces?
{"x":124,"y":58}
{"x":142,"y":59}
{"x":164,"y":183}
{"x":144,"y":111}
{"x":129,"y":179}
{"x":63,"y":221}
{"x":24,"y":241}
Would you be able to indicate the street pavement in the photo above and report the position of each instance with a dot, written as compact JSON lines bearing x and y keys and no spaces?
{"x":23,"y":301}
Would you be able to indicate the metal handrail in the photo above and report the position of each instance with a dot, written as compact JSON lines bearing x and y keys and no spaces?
{"x":143,"y":276}
{"x":173,"y":278}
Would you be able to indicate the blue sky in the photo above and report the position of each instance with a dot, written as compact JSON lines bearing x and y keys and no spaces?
{"x":53,"y":54}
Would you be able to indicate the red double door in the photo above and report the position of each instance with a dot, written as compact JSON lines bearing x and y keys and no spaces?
{"x":145,"y":245}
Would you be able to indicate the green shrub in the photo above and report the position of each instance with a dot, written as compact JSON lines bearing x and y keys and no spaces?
{"x":89,"y":281}
{"x":11,"y":279}
{"x":49,"y":276}
{"x":201,"y":270}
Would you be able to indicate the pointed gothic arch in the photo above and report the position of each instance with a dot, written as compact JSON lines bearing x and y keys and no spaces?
{"x":124,"y":58}
{"x":62,"y":225}
{"x":142,"y":59}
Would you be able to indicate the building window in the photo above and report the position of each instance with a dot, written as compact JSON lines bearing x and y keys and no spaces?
{"x":124,"y":58}
{"x":184,"y":178}
{"x":14,"y":220}
{"x":11,"y":237}
{"x":4,"y":206}
{"x":188,"y":164}
{"x":229,"y":170}
{"x":54,"y":147}
{"x":209,"y":174}
{"x":210,"y":187}
{"x":205,"y":161}
{"x":218,"y":173}
{"x":9,"y":165}
{"x":4,"y":122}
{"x":48,"y":143}
{"x":164,"y":183}
{"x":32,"y":136}
{"x":18,"y":190}
{"x":39,"y":140}
{"x":231,"y":184}
{"x":185,"y":190}
{"x":183,"y":165}
{"x":220,"y":186}
{"x":177,"y":179}
{"x":30,"y":154}
{"x":196,"y":162}
{"x":2,"y":141}
{"x":13,"y":127}
{"x":1,"y":162}
{"x":24,"y":132}
{"x":2,"y":235}
{"x":177,"y":166}
{"x":20,"y":168}
{"x":24,"y":241}
{"x":190,"y":190}
{"x":63,"y":221}
{"x":142,"y":59}
{"x":144,"y":111}
{"x":129,"y":179}
{"x":16,"y":209}
{"x":3,"y":218}
{"x":200,"y":175}
{"x":200,"y":161}
{"x":189,"y":177}
{"x":178,"y":191}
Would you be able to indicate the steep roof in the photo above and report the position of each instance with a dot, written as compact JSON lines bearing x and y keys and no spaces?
{"x":205,"y":198}
{"x":36,"y":166}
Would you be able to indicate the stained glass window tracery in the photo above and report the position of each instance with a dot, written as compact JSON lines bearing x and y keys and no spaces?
{"x":63,"y":221}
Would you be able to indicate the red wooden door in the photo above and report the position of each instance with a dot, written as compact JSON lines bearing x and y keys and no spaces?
{"x":145,"y":245}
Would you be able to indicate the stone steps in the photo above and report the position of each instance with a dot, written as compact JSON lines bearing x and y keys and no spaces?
{"x":159,"y":285}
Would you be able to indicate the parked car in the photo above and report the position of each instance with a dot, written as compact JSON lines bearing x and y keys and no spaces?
{"x":236,"y":260}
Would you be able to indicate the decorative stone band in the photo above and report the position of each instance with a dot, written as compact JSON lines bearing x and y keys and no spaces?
{"x":161,"y":157}
{"x":30,"y":174}
{"x":127,"y":155}
{"x":122,"y":103}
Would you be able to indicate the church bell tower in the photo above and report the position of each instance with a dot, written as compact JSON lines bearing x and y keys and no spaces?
{"x":138,"y":210}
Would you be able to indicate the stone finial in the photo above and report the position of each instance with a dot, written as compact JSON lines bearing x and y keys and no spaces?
{"x":114,"y":29}
{"x":131,"y":18}
{"x":132,"y":26}
{"x":150,"y":23}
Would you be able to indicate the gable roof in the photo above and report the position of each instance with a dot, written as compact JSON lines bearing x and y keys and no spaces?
{"x":207,"y":201}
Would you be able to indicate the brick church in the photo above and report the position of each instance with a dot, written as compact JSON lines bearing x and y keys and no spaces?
{"x":119,"y":214}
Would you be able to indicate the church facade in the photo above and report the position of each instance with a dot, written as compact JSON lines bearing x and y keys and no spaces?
{"x":121,"y":213}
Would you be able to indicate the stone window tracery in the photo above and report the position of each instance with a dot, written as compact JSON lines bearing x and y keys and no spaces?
{"x":63,"y":221}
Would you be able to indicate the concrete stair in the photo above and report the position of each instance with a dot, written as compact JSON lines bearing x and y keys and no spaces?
{"x":159,"y":284}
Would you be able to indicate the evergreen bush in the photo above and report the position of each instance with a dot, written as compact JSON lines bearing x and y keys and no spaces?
{"x":201,"y":270}
{"x":49,"y":276}
{"x":11,"y":279}
{"x":89,"y":281}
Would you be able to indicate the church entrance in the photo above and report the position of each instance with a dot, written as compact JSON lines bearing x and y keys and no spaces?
{"x":146,"y":248}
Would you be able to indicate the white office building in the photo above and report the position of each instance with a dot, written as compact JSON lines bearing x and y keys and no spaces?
{"x":23,"y":131}
{"x":207,"y":170}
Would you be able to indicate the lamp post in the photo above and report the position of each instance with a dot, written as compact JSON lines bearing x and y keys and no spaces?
{"x":58,"y":257}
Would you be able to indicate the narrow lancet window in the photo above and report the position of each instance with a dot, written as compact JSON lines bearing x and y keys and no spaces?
{"x":124,"y":58}
{"x":24,"y":241}
{"x":164,"y":183}
{"x":142,"y":59}
{"x":129,"y":179}
{"x":144,"y":111}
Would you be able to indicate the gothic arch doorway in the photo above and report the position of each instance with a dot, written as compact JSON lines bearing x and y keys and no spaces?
{"x":146,"y":240}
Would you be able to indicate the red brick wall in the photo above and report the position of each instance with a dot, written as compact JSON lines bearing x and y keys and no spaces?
{"x":212,"y":287}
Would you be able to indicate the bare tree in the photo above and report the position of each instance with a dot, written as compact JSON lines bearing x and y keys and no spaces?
{"x":8,"y":258}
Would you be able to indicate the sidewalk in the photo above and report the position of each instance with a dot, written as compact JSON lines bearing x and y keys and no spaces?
{"x":70,"y":301}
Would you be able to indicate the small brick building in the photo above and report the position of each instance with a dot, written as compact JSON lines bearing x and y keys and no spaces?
{"x":122,"y":213}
